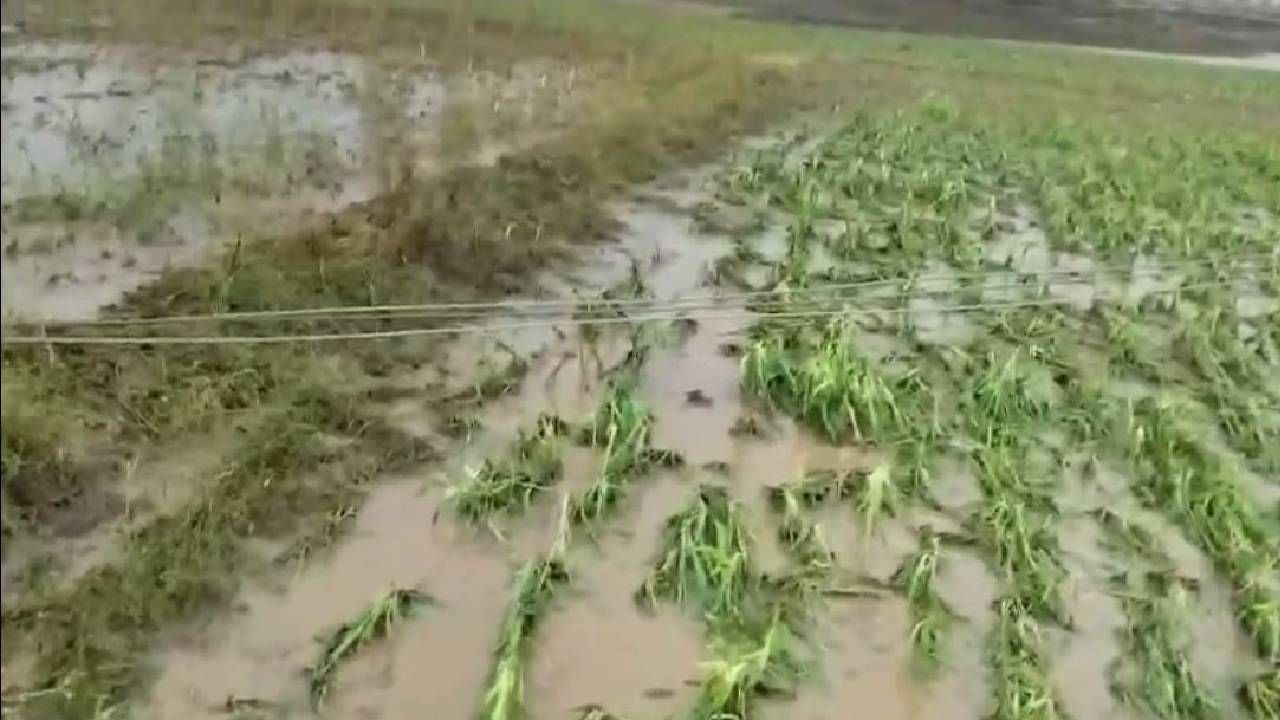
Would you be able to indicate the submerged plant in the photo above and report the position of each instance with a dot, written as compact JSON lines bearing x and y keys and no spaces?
{"x":1200,"y":491}
{"x":930,"y":616}
{"x":826,"y":383}
{"x":511,"y":483}
{"x":798,"y":534}
{"x":1023,"y":688}
{"x":1156,"y":644}
{"x":372,"y":623}
{"x":498,"y":381}
{"x":748,"y":662}
{"x":624,"y":426}
{"x":705,"y":557}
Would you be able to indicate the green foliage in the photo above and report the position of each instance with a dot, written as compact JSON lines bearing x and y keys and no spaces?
{"x":1023,"y":688}
{"x":930,"y":616}
{"x":826,"y":383}
{"x":373,"y":623}
{"x":511,"y":483}
{"x":532,"y":591}
{"x":1200,"y":490}
{"x":705,"y":559}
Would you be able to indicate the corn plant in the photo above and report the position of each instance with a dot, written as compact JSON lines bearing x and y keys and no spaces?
{"x":1007,"y":396}
{"x":373,"y":623}
{"x":1159,"y":673}
{"x":1013,"y":523}
{"x":876,"y":497}
{"x":1199,"y":490}
{"x":930,"y":615}
{"x":623,"y":425}
{"x":1023,"y":688}
{"x":511,"y":483}
{"x":827,"y":384}
{"x":705,"y":558}
{"x":1261,"y":695}
{"x":533,"y":589}
{"x":747,"y":663}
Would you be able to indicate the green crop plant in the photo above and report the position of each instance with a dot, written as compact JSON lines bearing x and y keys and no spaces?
{"x":1261,"y":695}
{"x":1155,"y":642}
{"x":748,"y":662}
{"x":511,"y":483}
{"x":623,"y":425}
{"x":1025,"y":551}
{"x":532,"y":591}
{"x":930,"y":615}
{"x":1013,"y":522}
{"x":373,"y":623}
{"x":876,"y":497}
{"x":1008,"y":395}
{"x":1023,"y":688}
{"x":1201,"y":492}
{"x":705,"y":558}
{"x":827,"y":384}
{"x":1154,"y":670}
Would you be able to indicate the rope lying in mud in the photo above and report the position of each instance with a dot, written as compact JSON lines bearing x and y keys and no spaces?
{"x":471,"y":310}
{"x":562,"y":322}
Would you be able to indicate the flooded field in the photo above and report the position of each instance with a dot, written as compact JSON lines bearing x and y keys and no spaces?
{"x":907,"y":412}
{"x":122,"y":162}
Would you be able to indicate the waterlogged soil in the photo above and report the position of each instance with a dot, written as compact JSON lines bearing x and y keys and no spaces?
{"x":595,"y":646}
{"x":122,"y":161}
